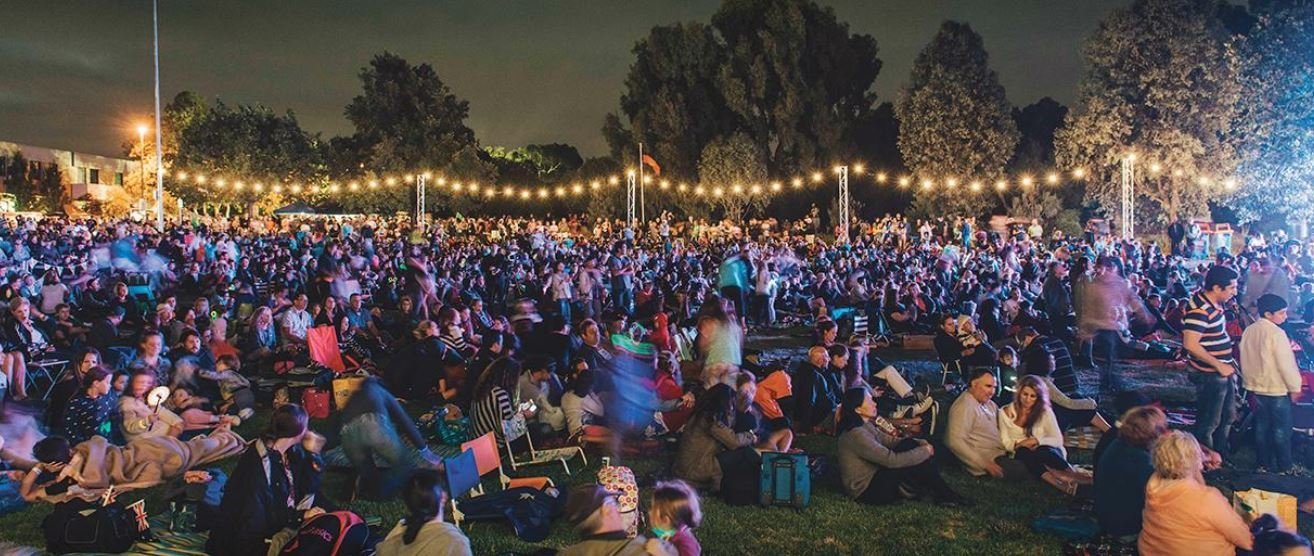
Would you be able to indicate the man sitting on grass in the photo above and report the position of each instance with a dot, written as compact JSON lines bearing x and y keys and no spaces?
{"x":973,"y":433}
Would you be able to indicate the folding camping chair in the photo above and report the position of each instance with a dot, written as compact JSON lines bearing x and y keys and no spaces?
{"x":50,"y":370}
{"x":323,"y":345}
{"x":488,"y":459}
{"x":462,"y":477}
{"x":536,"y":457}
{"x":956,"y":367}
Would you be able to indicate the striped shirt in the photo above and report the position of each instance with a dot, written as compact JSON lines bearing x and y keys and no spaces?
{"x":489,"y":412}
{"x":1208,"y":320}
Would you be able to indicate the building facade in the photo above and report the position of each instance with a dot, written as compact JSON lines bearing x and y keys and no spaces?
{"x":86,"y":177}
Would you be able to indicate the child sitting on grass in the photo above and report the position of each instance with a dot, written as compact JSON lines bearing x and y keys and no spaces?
{"x":674,"y":513}
{"x":236,"y":396}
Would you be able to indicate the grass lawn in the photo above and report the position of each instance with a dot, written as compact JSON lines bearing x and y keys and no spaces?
{"x":998,"y":524}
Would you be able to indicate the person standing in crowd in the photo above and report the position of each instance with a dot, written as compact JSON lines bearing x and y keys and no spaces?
{"x":1209,"y":348}
{"x":1105,"y":303}
{"x":1271,"y":374}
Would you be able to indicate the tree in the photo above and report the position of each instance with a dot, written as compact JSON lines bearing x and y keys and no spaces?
{"x":536,"y":164}
{"x":245,"y":151}
{"x":729,"y":167}
{"x":672,"y":101}
{"x":1276,"y":168}
{"x":1161,"y":81}
{"x":796,"y":78}
{"x":407,"y":119}
{"x":955,"y":122}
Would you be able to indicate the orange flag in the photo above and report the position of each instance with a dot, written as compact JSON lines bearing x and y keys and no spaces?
{"x":656,"y":170}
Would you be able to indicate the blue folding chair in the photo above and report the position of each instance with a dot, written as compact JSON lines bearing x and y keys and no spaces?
{"x":462,"y":478}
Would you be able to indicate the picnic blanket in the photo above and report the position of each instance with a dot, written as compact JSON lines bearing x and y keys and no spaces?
{"x":1084,"y":438}
{"x":143,"y":463}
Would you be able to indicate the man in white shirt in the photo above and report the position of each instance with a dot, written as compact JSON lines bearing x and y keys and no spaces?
{"x":296,"y":321}
{"x":973,"y":433}
{"x":1270,"y":373}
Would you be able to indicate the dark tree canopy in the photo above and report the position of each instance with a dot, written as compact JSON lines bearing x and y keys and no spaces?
{"x":797,"y":78}
{"x":955,"y":122}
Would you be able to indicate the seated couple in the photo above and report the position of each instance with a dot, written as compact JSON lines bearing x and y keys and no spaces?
{"x":1024,"y":435}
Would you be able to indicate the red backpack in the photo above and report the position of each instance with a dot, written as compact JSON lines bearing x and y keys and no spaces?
{"x":331,"y":534}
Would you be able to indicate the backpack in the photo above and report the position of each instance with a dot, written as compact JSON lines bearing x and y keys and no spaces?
{"x":80,"y":526}
{"x":616,"y":478}
{"x":330,"y":534}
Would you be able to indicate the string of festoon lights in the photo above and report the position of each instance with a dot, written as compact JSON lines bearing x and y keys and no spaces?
{"x":223,"y":181}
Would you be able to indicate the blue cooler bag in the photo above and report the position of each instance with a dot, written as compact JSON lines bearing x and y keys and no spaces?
{"x":785,"y":480}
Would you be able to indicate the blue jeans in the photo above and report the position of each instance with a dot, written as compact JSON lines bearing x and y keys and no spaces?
{"x":1104,"y":346}
{"x":1215,"y":401}
{"x":1273,"y":432}
{"x":563,"y":307}
{"x":381,"y":459}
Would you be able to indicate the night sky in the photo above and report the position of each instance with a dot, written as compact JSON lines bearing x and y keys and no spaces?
{"x":77,"y":73}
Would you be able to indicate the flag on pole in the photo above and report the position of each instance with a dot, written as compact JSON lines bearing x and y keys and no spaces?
{"x":656,"y":170}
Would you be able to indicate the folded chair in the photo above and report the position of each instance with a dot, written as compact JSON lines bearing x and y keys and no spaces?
{"x":946,"y":368}
{"x":462,"y":477}
{"x":487,"y":459}
{"x":536,"y":457}
{"x":323,"y":345}
{"x":49,"y":370}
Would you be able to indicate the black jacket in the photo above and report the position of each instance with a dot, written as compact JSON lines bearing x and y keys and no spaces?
{"x":415,"y":371}
{"x":254,"y":506}
{"x":815,"y":396}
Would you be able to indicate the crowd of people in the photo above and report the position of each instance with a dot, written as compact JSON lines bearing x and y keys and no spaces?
{"x":575,"y":332}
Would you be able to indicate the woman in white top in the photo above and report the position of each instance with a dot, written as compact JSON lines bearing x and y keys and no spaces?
{"x":1030,"y":433}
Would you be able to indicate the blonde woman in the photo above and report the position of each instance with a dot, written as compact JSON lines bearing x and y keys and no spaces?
{"x":1182,"y":514}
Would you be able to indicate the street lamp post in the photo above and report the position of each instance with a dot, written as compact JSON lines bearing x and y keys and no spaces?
{"x":159,"y":140}
{"x":141,"y":156}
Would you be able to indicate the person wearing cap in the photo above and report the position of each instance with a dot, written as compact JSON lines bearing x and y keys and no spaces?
{"x":596,"y":516}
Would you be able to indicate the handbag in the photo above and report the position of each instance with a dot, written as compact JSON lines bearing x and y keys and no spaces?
{"x":454,"y":432}
{"x":80,"y":526}
{"x":344,"y":387}
{"x":514,"y":428}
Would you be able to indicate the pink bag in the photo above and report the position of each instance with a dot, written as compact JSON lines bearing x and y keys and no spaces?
{"x":316,"y":402}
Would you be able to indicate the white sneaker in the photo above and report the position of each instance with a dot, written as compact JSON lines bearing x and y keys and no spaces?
{"x":921,"y":407}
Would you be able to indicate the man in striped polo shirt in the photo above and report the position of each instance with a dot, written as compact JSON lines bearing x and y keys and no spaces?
{"x":1204,"y":335}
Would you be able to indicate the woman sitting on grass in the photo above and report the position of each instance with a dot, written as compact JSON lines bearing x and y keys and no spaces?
{"x":423,"y":532}
{"x":707,"y":434}
{"x":89,"y":413}
{"x":1029,"y":431}
{"x":1183,"y":515}
{"x":1068,"y":412}
{"x":749,"y":417}
{"x":877,"y":467}
{"x":272,"y":489}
